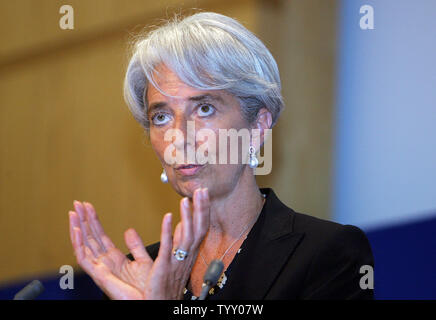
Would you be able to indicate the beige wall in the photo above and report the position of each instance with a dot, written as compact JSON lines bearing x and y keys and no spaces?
{"x":65,"y":132}
{"x":302,"y":36}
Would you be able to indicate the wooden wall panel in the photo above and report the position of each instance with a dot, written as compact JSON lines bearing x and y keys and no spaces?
{"x":302,"y":36}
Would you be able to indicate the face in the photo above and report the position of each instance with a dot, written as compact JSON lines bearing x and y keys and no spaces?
{"x":211,"y":110}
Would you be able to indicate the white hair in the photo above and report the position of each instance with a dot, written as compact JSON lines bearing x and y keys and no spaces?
{"x":207,"y":51}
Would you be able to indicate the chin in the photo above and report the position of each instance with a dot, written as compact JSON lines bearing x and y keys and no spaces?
{"x":186,"y":188}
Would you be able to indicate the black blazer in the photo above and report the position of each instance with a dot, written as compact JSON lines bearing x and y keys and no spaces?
{"x":289,"y":255}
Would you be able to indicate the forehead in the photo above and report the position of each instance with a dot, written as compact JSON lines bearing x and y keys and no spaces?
{"x":176,"y":90}
{"x":170,"y":83}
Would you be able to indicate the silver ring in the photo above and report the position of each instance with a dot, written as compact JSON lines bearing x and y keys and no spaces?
{"x":180,"y":254}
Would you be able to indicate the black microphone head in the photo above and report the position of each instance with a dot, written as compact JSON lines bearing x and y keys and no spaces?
{"x":31,"y":291}
{"x":213,"y":272}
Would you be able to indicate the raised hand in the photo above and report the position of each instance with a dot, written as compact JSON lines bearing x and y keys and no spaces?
{"x":120,"y":278}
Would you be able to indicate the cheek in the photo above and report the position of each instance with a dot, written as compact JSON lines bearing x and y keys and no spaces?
{"x":158,"y":144}
{"x":226,"y":149}
{"x":223,"y":151}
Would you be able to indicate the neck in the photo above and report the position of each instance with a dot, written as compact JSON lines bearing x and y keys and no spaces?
{"x":242,"y":205}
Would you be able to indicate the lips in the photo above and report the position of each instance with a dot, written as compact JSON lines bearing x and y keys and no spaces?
{"x":188,"y":169}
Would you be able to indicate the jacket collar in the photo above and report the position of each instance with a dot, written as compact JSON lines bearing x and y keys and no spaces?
{"x":278,"y":218}
{"x":268,"y":246}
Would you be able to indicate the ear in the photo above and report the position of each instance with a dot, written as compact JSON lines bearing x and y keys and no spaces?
{"x":263,"y":122}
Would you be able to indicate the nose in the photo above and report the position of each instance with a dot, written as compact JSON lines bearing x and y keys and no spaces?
{"x":180,"y":126}
{"x":185,"y":145}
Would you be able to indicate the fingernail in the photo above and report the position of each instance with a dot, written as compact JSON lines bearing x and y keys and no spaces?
{"x":186,"y":202}
{"x":130,"y":232}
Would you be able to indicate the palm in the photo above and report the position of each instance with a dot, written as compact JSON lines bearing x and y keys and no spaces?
{"x":132,"y":273}
{"x":107,"y":265}
{"x":112,"y":271}
{"x":142,"y":278}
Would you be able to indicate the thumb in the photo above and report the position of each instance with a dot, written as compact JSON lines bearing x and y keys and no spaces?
{"x":135,"y":246}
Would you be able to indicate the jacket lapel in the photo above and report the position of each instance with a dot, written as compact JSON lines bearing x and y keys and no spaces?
{"x":268,"y":246}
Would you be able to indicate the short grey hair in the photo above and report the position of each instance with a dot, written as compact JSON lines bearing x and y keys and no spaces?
{"x":207,"y":51}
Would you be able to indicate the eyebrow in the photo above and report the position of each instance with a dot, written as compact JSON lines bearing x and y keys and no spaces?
{"x":207,"y":96}
{"x":156,"y":105}
{"x":203,"y":97}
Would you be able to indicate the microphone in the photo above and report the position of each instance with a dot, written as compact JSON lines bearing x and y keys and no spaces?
{"x":211,"y":277}
{"x":31,"y":291}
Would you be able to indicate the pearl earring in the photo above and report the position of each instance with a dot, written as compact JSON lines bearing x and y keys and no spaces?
{"x":164,"y":177}
{"x":253,"y":159}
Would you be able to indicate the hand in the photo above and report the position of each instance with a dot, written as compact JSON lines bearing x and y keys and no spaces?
{"x":120,"y":278}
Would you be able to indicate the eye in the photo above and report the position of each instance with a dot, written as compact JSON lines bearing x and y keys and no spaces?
{"x":205,"y":110}
{"x":160,"y":119}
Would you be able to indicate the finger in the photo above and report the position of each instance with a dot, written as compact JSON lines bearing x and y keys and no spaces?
{"x":177,"y":238}
{"x":84,"y":228}
{"x":97,"y":228}
{"x":75,"y":240}
{"x":201,"y":213}
{"x":187,"y":238}
{"x":91,"y":243}
{"x":88,"y":237}
{"x":135,"y":246}
{"x":75,"y":226}
{"x":92,"y":228}
{"x":166,"y":244}
{"x":74,"y":222}
{"x":79,"y":249}
{"x":95,"y":247}
{"x":83,"y":253}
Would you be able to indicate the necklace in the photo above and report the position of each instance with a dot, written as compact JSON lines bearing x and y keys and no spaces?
{"x":237,"y":239}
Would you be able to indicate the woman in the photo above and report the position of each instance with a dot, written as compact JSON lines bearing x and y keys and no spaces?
{"x":207,"y":70}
